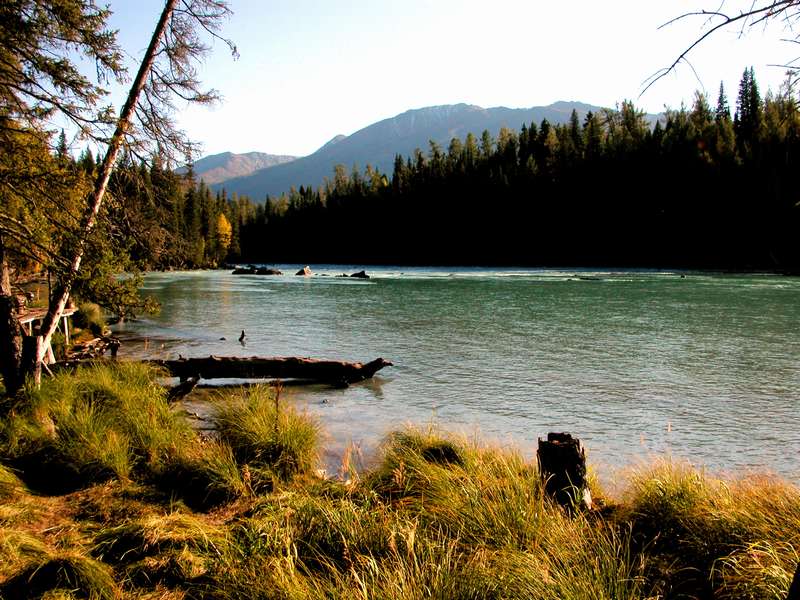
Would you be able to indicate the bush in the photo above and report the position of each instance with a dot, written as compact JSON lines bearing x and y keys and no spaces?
{"x":89,"y":316}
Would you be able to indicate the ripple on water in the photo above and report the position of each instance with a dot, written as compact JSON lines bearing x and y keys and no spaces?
{"x":635,"y":363}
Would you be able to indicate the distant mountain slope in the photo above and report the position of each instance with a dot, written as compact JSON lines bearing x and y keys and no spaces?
{"x":227,"y":165}
{"x":378,"y":143}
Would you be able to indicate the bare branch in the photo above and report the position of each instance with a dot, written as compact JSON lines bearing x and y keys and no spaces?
{"x":758,"y":13}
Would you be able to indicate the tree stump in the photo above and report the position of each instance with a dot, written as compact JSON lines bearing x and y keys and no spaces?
{"x":794,"y":589}
{"x":562,"y":466}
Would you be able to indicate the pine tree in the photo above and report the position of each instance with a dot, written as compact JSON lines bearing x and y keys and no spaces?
{"x":723,"y":111}
{"x":748,"y":119}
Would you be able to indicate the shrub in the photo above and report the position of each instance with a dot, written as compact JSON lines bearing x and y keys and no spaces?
{"x":89,"y":316}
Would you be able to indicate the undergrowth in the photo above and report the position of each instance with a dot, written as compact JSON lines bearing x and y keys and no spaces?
{"x":106,"y":492}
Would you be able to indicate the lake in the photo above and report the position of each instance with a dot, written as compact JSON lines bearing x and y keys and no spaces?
{"x":637,"y":364}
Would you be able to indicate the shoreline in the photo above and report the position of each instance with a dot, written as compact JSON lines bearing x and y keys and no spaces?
{"x":172,"y":515}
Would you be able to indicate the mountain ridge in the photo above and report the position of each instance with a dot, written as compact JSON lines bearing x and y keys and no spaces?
{"x":221,"y":167}
{"x":378,"y":144}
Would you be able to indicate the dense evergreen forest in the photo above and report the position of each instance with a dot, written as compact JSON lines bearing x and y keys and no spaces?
{"x":704,"y":188}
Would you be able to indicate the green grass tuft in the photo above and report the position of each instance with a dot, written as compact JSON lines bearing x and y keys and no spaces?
{"x":99,"y":423}
{"x":67,"y":572}
{"x":10,"y":484}
{"x":204,"y":476}
{"x":17,"y":550}
{"x":154,"y":534}
{"x":265,"y":434}
{"x":89,"y":316}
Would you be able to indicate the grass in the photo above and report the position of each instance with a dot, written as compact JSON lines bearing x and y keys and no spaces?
{"x":65,"y":573}
{"x":268,"y":437}
{"x":162,"y":513}
{"x":715,"y":533}
{"x":91,"y":426}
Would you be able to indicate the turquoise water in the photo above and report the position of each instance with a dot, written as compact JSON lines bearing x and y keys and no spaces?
{"x":700,"y":366}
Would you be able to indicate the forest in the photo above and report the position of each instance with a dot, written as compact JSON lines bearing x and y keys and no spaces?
{"x":702,"y":189}
{"x":705,"y":188}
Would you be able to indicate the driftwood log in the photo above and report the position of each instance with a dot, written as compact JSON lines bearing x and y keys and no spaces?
{"x":562,"y":465}
{"x":257,"y":367}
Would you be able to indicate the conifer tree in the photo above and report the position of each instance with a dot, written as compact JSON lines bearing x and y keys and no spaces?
{"x":38,"y":39}
{"x":723,"y":110}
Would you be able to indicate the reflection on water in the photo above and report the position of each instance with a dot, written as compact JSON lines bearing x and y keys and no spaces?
{"x":700,"y":366}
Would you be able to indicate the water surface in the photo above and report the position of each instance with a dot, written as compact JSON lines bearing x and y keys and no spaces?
{"x":700,"y":366}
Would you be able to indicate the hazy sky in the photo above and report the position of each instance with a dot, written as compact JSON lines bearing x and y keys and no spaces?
{"x":312,"y":69}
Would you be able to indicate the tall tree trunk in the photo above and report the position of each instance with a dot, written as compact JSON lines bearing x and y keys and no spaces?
{"x":10,"y":330}
{"x":66,"y":281}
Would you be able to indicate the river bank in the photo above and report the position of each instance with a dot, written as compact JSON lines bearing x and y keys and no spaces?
{"x":121,"y":499}
{"x":638,"y":364}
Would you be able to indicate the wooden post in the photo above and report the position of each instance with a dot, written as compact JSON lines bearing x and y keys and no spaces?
{"x":562,"y":466}
{"x":794,"y":589}
{"x":66,"y":331}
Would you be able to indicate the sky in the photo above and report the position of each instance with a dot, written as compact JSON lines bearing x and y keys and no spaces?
{"x":309,"y":70}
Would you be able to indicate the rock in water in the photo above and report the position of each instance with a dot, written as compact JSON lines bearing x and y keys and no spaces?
{"x":305,"y":271}
{"x":360,"y":275}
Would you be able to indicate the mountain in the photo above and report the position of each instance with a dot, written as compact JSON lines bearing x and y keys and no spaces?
{"x":378,"y":143}
{"x":227,"y":165}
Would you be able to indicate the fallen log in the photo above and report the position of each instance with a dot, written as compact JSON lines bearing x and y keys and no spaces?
{"x":280,"y":367}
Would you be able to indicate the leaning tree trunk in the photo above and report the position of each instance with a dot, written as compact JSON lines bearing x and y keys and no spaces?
{"x":10,"y":331}
{"x":64,"y":287}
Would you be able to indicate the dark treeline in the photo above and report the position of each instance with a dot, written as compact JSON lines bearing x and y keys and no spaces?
{"x":166,"y":220}
{"x":703,"y":189}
